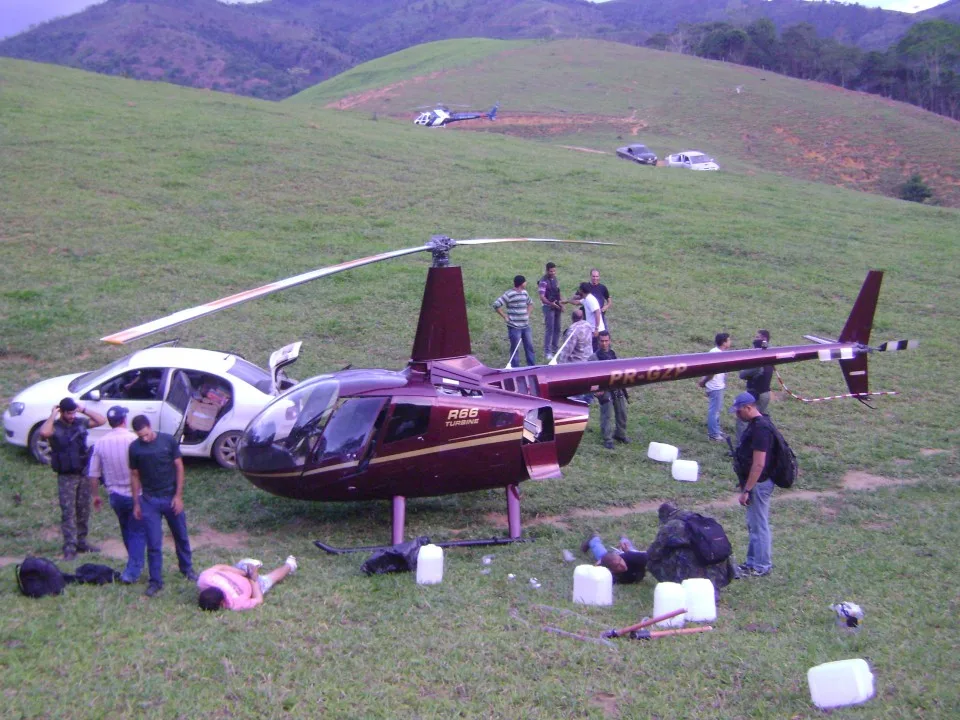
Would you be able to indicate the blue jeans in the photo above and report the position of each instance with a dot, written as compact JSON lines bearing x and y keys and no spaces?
{"x":516,"y":335}
{"x":715,"y":398}
{"x":154,"y":509}
{"x":551,"y":330}
{"x":597,"y":548}
{"x":134,"y":537}
{"x":760,"y":546}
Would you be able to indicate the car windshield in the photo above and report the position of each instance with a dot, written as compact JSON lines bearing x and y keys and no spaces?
{"x":639,"y":149}
{"x":700,"y":159}
{"x":96,"y":376}
{"x":287,"y":430}
{"x":252,"y":375}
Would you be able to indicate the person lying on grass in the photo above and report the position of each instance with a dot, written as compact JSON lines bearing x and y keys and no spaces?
{"x":239,"y":587}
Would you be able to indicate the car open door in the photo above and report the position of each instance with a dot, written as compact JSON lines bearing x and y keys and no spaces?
{"x":173,"y":411}
{"x":279,"y":359}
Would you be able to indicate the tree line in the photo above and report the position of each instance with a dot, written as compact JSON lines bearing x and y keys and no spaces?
{"x":923,"y":68}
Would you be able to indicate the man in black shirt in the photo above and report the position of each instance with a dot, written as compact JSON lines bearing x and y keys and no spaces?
{"x":156,"y":468}
{"x":758,"y":380}
{"x":600,"y":292}
{"x":626,"y":563}
{"x":612,"y":399}
{"x":755,"y":457}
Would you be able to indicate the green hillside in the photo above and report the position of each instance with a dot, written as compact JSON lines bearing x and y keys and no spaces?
{"x":601,"y":95}
{"x":125,"y":200}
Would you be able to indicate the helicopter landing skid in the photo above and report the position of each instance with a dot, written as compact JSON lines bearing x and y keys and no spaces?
{"x":450,"y":543}
{"x":399,"y":517}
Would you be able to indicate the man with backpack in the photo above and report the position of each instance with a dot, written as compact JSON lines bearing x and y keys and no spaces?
{"x":68,"y":457}
{"x":690,"y":545}
{"x":755,"y":461}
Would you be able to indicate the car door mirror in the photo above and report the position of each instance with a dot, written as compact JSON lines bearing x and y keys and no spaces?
{"x":94,"y":395}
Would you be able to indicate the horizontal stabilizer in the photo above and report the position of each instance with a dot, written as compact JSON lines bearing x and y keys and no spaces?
{"x":895,"y":345}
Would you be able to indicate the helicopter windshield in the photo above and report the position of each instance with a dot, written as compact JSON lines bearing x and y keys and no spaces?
{"x":286,"y":432}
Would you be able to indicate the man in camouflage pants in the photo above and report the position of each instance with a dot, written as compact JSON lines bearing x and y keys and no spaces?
{"x":672,"y":558}
{"x":67,"y":434}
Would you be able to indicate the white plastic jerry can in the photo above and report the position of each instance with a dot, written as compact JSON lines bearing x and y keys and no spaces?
{"x":592,"y":585}
{"x":429,"y":565}
{"x":839,"y":683}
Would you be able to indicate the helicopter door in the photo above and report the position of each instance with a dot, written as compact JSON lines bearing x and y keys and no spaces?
{"x":539,"y":445}
{"x":173,"y":411}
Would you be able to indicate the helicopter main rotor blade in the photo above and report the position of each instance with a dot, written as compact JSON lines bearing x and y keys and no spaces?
{"x":490,"y":241}
{"x":178,"y":318}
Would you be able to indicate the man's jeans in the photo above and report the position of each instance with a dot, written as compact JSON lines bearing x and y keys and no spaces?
{"x":597,"y":548}
{"x":134,"y":537}
{"x":760,"y":546}
{"x":154,"y":510}
{"x":551,"y":331}
{"x":516,"y":335}
{"x":616,"y":406}
{"x":715,"y":398}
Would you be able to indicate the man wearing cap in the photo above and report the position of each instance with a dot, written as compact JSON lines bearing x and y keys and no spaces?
{"x":517,"y":302}
{"x":754,"y":458}
{"x":156,"y":468}
{"x":68,"y":457}
{"x":613,"y":403}
{"x":109,"y":462}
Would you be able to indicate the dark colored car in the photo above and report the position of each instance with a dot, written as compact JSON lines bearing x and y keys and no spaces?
{"x":638,"y":153}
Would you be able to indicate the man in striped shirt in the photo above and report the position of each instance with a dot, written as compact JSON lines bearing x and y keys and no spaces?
{"x":517,"y":302}
{"x":110,"y":461}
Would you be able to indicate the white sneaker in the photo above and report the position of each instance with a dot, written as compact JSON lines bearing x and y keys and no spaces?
{"x":291,"y":562}
{"x":247,"y":563}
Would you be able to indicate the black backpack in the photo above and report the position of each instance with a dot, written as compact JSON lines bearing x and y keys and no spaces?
{"x":37,"y":577}
{"x":708,"y":538}
{"x":785,"y":466}
{"x":93,"y":574}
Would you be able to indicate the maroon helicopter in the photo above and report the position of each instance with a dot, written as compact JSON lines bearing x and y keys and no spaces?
{"x":449,"y":424}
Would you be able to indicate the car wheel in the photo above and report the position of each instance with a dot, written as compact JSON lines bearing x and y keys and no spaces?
{"x":39,"y":447}
{"x":225,"y":449}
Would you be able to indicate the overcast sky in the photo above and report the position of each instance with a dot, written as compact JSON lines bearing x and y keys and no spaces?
{"x":18,"y":15}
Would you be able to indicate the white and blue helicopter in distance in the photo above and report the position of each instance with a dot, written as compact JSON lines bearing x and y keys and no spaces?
{"x":441,"y":116}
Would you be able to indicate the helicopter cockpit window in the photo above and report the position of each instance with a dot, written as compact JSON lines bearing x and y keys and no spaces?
{"x":347,"y":431}
{"x":509,"y":385}
{"x":407,"y":421}
{"x":286,"y":432}
{"x":522,"y":385}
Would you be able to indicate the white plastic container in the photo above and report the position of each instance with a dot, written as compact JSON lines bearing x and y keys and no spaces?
{"x":429,"y":565}
{"x":701,"y":602}
{"x":592,"y":585}
{"x":667,"y":597}
{"x":662,"y":452}
{"x":844,"y":682}
{"x":685,"y":470}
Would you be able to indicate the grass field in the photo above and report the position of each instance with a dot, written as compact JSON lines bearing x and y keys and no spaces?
{"x":601,"y":95}
{"x":123,"y":201}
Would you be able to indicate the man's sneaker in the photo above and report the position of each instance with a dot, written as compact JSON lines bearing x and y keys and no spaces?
{"x":153,"y":588}
{"x":291,"y":562}
{"x":719,"y":438}
{"x":69,"y":554}
{"x":750,"y":571}
{"x":608,"y":444}
{"x":247,"y":563}
{"x":191,"y":575}
{"x":87,"y":548}
{"x":625,"y":440}
{"x":585,"y":545}
{"x":124,"y":580}
{"x":756,"y":572}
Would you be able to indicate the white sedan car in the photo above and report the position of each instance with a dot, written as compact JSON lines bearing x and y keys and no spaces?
{"x":692,"y":159}
{"x":205,"y":398}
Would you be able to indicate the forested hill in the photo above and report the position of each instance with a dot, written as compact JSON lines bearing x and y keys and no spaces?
{"x":274,"y":49}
